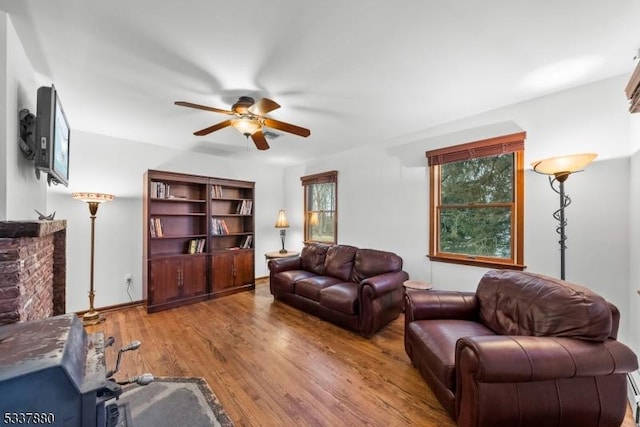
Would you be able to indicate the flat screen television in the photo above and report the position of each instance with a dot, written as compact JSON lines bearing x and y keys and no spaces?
{"x":52,"y":137}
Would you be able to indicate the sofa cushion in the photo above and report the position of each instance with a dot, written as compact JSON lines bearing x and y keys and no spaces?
{"x":313,"y":256}
{"x":285,"y":280}
{"x":339,"y":261}
{"x":310,"y":287}
{"x":342,"y":297}
{"x":520,"y":303}
{"x":371,"y":262}
{"x":437,"y":340}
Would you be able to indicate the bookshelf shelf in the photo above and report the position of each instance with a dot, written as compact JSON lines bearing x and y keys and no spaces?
{"x":197,"y":246}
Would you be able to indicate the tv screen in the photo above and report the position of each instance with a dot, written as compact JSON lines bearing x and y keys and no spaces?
{"x":52,"y":136}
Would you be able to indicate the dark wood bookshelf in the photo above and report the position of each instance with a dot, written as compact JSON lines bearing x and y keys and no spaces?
{"x":198,"y":238}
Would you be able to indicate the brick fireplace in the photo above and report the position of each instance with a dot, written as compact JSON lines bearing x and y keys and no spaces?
{"x":32,"y":270}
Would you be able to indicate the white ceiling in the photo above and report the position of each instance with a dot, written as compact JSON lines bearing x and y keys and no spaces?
{"x":358,"y":72}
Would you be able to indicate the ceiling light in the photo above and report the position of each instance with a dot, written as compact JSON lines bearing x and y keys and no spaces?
{"x":245,"y":125}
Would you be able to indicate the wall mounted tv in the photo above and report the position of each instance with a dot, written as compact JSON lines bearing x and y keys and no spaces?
{"x":52,"y":137}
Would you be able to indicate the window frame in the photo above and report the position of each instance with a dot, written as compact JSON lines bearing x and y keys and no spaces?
{"x":320,"y":178}
{"x":506,"y":144}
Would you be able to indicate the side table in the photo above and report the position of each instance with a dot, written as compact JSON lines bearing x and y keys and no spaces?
{"x":278,"y":254}
{"x":417,"y":284}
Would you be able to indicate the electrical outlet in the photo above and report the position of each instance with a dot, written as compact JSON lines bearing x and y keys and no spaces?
{"x":127,"y":279}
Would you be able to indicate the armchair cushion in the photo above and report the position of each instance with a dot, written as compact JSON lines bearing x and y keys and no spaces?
{"x":519,"y":303}
{"x":437,"y":342}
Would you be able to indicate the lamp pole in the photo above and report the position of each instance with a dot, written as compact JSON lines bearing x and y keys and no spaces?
{"x":564,"y":202}
{"x":559,"y":169}
{"x":92,"y":316}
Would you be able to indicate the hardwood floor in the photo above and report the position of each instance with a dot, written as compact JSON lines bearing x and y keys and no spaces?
{"x":271,"y":364}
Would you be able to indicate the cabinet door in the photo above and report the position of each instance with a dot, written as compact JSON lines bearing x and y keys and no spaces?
{"x":194,"y":276}
{"x":222,"y":272}
{"x":243,"y":268}
{"x":164,"y":283}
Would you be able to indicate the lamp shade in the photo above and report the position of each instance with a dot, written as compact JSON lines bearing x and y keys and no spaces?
{"x":563,"y":164}
{"x":93,"y":197}
{"x":282,"y":220}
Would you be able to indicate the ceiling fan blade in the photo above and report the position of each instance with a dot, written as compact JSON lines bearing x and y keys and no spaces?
{"x":286,"y":127}
{"x":203,"y":107}
{"x":263,"y":106}
{"x":207,"y":131}
{"x":260,"y":140}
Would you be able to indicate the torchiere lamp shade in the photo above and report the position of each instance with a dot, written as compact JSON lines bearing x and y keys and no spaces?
{"x":563,"y":165}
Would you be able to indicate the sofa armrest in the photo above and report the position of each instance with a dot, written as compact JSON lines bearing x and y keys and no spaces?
{"x":380,"y":299}
{"x":427,"y":305}
{"x":277,"y":265}
{"x":383,"y":283}
{"x":517,"y":359}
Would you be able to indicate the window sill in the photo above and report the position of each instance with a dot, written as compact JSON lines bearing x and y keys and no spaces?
{"x":477,"y":262}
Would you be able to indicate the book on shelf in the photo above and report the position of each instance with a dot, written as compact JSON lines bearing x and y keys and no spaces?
{"x":219,"y":226}
{"x":155,"y":227}
{"x":246,"y":242}
{"x":216,"y":191}
{"x":160,"y":190}
{"x":196,"y":246}
{"x":244,"y":207}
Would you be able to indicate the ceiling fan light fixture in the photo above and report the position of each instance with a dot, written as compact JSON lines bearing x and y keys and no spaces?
{"x":246,"y":126}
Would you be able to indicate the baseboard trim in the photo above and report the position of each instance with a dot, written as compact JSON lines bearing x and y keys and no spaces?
{"x":113,"y":307}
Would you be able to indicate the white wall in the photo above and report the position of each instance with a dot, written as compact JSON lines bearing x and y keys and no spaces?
{"x":20,"y":191}
{"x":383,"y":192}
{"x":634,"y":235}
{"x":109,"y":165}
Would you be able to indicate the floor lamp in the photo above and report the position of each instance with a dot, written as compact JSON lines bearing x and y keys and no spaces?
{"x":282,"y":224}
{"x":92,"y":317}
{"x":559,"y":169}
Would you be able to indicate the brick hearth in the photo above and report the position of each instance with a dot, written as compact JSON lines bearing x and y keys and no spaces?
{"x":32,"y":270}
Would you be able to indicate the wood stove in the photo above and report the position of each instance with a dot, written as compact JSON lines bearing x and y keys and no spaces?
{"x":53,"y":373}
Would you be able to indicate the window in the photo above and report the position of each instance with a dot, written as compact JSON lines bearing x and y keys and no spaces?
{"x":321,"y":207}
{"x":476,"y":202}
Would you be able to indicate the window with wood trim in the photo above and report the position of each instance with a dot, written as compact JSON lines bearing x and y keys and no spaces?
{"x":321,"y":207}
{"x":476,"y":203}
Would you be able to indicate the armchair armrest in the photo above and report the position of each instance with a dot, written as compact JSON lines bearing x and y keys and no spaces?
{"x":277,"y":265}
{"x":516,"y":359}
{"x":427,"y":305}
{"x":583,"y":380}
{"x":376,"y":286}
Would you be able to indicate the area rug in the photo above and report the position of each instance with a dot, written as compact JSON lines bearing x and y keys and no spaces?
{"x":174,"y":401}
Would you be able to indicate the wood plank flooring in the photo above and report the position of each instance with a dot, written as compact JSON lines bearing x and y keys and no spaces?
{"x":271,"y":364}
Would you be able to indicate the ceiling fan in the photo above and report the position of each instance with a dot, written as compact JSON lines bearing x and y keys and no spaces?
{"x":249,"y":119}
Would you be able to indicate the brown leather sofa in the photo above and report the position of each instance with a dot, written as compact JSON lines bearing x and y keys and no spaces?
{"x":523,"y":350}
{"x":358,"y":289}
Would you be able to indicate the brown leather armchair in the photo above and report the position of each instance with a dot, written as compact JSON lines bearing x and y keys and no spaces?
{"x":524,"y":350}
